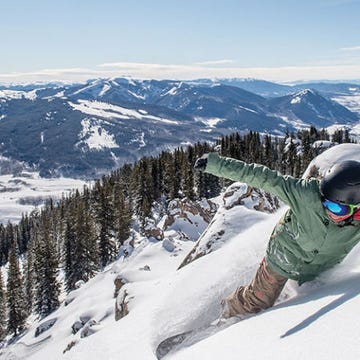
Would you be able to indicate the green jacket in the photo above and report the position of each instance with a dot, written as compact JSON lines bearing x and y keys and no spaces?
{"x":305,"y":242}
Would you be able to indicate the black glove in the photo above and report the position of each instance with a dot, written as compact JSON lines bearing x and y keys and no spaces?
{"x":200,"y":163}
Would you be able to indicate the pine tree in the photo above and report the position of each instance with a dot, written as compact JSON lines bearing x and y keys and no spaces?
{"x":188,"y":174}
{"x":168,"y":168}
{"x":308,"y":153}
{"x":2,"y":307}
{"x":291,"y":157}
{"x":105,"y":221}
{"x":69,"y":251}
{"x":142,"y":194}
{"x":86,"y":250}
{"x":24,"y":233}
{"x":47,"y":289}
{"x":337,"y":136}
{"x":175,"y":174}
{"x":268,"y":151}
{"x":323,"y":135}
{"x":3,"y":246}
{"x":156,"y":179}
{"x":17,"y":311}
{"x":29,"y":277}
{"x":347,"y":138}
{"x":123,"y":215}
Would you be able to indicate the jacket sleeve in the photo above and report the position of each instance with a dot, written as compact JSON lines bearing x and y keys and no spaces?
{"x":287,"y":188}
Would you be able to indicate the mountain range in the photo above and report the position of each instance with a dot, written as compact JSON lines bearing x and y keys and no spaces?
{"x":83,"y":130}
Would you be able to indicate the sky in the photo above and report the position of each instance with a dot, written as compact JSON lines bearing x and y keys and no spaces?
{"x":279,"y":40}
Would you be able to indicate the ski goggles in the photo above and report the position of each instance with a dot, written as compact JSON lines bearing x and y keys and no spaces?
{"x":340,"y":209}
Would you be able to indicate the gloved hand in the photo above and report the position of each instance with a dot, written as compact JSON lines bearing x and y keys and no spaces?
{"x":200,"y":163}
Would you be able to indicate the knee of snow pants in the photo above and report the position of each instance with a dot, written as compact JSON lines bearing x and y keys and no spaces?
{"x":259,"y":295}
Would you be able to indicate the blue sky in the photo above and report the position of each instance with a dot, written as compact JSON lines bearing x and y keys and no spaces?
{"x":281,"y":40}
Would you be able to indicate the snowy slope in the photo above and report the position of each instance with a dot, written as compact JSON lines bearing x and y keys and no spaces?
{"x":318,"y":320}
{"x":320,"y":323}
{"x":22,"y":193}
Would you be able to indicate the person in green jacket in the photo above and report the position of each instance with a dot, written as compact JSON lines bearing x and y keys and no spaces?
{"x":318,"y":230}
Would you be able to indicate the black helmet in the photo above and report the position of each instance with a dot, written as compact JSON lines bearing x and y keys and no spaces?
{"x":341,"y":183}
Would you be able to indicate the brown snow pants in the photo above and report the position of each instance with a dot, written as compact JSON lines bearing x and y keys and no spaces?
{"x":259,"y":295}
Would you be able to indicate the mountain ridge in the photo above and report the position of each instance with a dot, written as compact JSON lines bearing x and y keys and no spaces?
{"x":51,"y":127}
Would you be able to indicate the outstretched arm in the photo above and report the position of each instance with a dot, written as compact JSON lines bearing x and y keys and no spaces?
{"x":286,"y":188}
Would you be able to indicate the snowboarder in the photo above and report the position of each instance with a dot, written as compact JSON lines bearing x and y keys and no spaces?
{"x":320,"y":228}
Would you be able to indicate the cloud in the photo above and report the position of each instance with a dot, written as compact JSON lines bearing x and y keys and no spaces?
{"x":130,"y":65}
{"x":187,"y":72}
{"x":351,"y":48}
{"x":216,"y":62}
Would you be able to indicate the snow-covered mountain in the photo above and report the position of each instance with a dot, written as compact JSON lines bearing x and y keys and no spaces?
{"x":89,"y":129}
{"x":155,"y":300}
{"x":309,"y":104}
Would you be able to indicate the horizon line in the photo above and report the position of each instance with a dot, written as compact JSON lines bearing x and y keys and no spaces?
{"x":149,"y":71}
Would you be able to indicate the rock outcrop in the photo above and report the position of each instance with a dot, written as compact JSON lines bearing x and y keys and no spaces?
{"x":238,"y":194}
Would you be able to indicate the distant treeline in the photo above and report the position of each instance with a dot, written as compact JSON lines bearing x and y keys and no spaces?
{"x":84,"y":231}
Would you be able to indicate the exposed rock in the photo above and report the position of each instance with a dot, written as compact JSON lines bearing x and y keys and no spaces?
{"x":145,"y":268}
{"x":243,"y":194}
{"x":76,"y":326}
{"x":84,"y":318}
{"x":180,"y":208}
{"x":121,"y":305}
{"x":45,"y":326}
{"x":237,"y":194}
{"x":70,"y":346}
{"x":168,"y":245}
{"x":79,"y":284}
{"x":152,"y":231}
{"x":187,"y":211}
{"x":119,"y":282}
{"x":229,"y":203}
{"x":89,"y":328}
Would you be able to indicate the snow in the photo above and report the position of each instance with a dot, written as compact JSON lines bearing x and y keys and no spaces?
{"x":172,"y":91}
{"x":104,"y":90}
{"x":296,"y":100}
{"x":60,"y":94}
{"x":302,"y":328}
{"x":141,"y":97}
{"x":322,"y":144}
{"x":140,"y":140}
{"x":356,"y":130}
{"x":27,"y":191}
{"x":210,"y":122}
{"x":246,"y":109}
{"x":297,"y":123}
{"x":315,"y":321}
{"x":299,"y":96}
{"x":109,"y":111}
{"x":352,"y":102}
{"x":96,"y":137}
{"x":15,"y":94}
